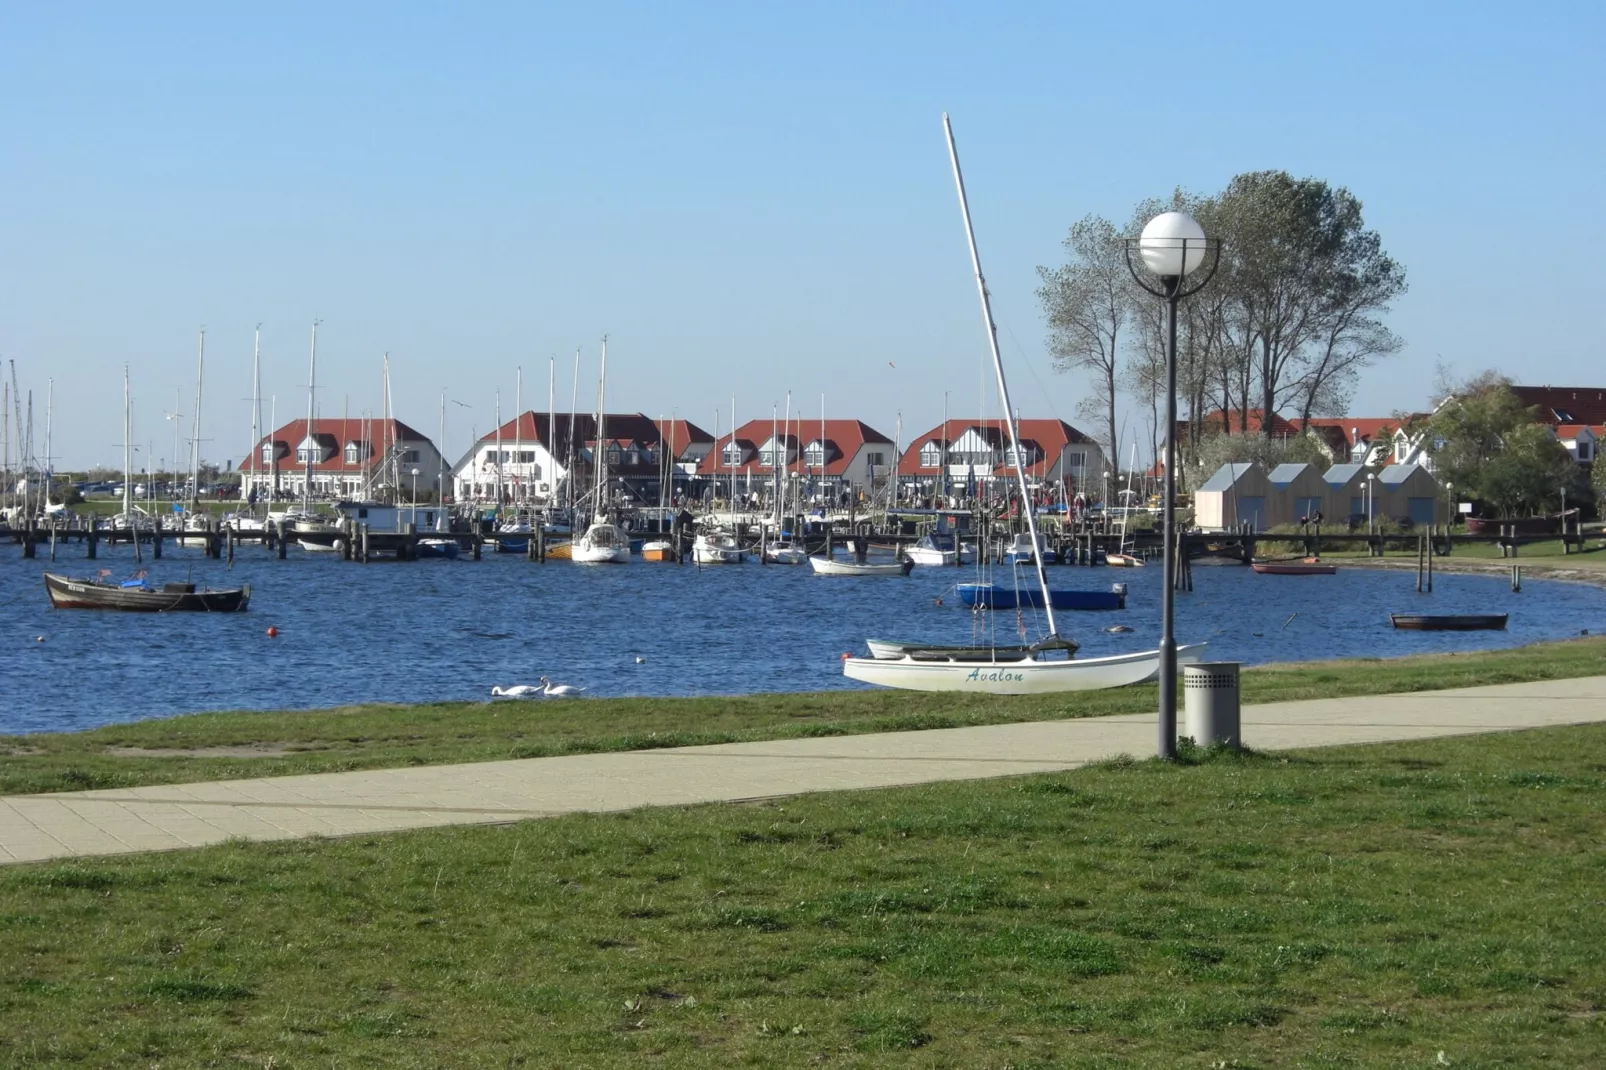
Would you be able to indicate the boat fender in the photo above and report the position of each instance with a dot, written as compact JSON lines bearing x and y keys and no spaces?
{"x":273,"y":633}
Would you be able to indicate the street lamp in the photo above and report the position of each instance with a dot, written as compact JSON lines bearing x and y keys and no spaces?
{"x":1449,"y":504}
{"x":1371,"y":502}
{"x":1172,"y":247}
{"x":415,"y":498}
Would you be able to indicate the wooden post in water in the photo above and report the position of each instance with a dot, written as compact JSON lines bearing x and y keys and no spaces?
{"x":1516,"y":578}
{"x":156,"y":543}
{"x":477,"y":547}
{"x":53,"y":539}
{"x":231,"y":538}
{"x":91,"y":545}
{"x":280,"y":543}
{"x":362,"y":542}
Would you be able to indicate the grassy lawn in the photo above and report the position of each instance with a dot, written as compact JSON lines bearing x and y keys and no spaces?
{"x":217,"y":746}
{"x":1423,"y":904}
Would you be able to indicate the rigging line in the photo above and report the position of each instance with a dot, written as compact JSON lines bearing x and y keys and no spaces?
{"x":1030,"y":367}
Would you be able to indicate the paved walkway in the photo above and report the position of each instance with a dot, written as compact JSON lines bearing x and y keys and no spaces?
{"x":37,"y":827}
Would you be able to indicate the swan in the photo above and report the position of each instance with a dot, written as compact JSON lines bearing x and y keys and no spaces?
{"x":553,"y":690}
{"x":516,"y":691}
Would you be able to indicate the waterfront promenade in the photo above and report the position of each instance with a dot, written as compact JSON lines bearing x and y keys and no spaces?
{"x":170,"y":817}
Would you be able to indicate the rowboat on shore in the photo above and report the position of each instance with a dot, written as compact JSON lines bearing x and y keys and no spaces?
{"x":1015,"y":670}
{"x":139,"y":597}
{"x":1449,"y":622}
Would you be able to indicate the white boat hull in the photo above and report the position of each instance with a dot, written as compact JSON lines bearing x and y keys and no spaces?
{"x":717,"y":555}
{"x":786,"y":555}
{"x":602,"y":544}
{"x":824,"y":566}
{"x":1023,"y":677}
{"x":925,"y":557}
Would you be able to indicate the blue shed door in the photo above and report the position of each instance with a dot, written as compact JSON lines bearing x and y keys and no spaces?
{"x":1252,"y":511}
{"x":1421,"y":510}
{"x":1357,"y":505}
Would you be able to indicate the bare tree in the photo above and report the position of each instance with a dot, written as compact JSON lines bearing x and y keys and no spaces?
{"x":1087,"y":303}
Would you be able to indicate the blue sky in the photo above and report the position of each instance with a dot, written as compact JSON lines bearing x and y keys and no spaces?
{"x":747,"y":198}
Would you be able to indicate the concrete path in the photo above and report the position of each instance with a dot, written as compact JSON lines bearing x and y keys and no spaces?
{"x":38,"y":827}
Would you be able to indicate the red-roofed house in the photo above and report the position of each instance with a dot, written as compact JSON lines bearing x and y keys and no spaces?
{"x":1580,"y":440}
{"x":1054,"y":453}
{"x":843,"y":455}
{"x":1565,"y":405}
{"x":346,"y":458}
{"x":1367,"y":440}
{"x":527,"y":458}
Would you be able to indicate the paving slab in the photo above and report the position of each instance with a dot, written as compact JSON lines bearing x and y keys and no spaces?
{"x":171,"y":817}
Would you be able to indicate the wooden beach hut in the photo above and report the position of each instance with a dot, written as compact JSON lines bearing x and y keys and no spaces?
{"x":1347,"y":495}
{"x":1409,"y":492}
{"x":1297,"y":491}
{"x":1234,"y":496}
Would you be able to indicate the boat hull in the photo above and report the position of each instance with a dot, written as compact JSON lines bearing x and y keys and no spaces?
{"x":1456,"y":622}
{"x":824,"y":566}
{"x":68,"y":593}
{"x":1292,"y":568}
{"x":993,"y":596}
{"x":1025,"y":676}
{"x":1123,"y":561}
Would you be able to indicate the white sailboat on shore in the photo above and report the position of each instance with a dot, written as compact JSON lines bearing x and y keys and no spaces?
{"x":604,"y":542}
{"x":1046,"y":666}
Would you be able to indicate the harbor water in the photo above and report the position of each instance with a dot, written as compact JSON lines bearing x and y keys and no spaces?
{"x":440,"y":630}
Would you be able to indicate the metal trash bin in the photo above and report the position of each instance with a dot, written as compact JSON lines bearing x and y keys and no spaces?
{"x":1211,"y":702}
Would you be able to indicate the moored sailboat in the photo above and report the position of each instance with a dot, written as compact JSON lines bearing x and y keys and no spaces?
{"x":1043,"y":667}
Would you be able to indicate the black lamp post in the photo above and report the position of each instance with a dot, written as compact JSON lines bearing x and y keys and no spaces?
{"x":1173,"y":248}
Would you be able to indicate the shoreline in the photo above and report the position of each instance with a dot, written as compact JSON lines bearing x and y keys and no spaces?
{"x":1541,"y":570}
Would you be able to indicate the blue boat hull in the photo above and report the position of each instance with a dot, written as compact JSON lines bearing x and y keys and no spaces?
{"x":992,"y":596}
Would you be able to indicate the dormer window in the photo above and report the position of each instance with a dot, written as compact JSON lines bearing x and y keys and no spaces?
{"x":814,"y":454}
{"x":930,"y":455}
{"x":732,"y":454}
{"x":353,"y":454}
{"x":267,"y":453}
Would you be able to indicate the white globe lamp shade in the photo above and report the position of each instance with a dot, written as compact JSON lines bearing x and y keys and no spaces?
{"x":1172,"y":243}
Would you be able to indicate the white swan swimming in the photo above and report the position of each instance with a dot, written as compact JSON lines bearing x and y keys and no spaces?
{"x":516,"y":691}
{"x":553,"y":690}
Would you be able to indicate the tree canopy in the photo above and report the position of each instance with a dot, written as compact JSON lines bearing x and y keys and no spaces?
{"x":1492,"y":447}
{"x":1292,"y":317}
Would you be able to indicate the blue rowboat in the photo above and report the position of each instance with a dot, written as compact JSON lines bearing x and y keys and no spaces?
{"x":995,"y":596}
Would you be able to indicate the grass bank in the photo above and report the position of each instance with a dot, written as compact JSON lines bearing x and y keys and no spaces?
{"x":1423,"y":904}
{"x":215,"y":746}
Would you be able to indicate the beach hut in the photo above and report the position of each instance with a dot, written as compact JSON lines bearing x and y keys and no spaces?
{"x":1234,"y":496}
{"x":1347,"y":496}
{"x":1409,"y":492}
{"x":1297,"y":491}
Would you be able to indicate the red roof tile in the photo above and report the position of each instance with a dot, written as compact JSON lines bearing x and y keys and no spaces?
{"x":843,"y":439}
{"x":335,"y":435}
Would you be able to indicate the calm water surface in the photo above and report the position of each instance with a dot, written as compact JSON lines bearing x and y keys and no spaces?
{"x":444,"y":630}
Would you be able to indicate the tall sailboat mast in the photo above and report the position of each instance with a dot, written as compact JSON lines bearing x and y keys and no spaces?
{"x":312,"y":379}
{"x":44,"y":478}
{"x":998,"y":369}
{"x":599,"y":457}
{"x":519,"y":489}
{"x":255,"y":455}
{"x":195,"y":424}
{"x":574,"y":403}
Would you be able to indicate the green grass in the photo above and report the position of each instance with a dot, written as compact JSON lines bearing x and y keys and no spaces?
{"x":372,"y":737}
{"x":1364,"y":906}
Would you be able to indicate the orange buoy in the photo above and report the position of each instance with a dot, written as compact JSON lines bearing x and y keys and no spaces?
{"x":273,"y":633}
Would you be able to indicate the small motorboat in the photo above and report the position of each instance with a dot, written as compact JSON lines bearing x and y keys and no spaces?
{"x":937,"y":549}
{"x":437,"y":547}
{"x":138,"y":596}
{"x":1449,"y":622}
{"x":717,"y":548}
{"x":1124,"y":561}
{"x":1293,"y":568}
{"x":786,"y":552}
{"x":658,"y":550}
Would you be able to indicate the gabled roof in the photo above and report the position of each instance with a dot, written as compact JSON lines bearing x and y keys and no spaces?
{"x":1573,"y":431}
{"x":1285,"y":474}
{"x":1565,"y":404}
{"x":682,"y":435}
{"x":1049,"y":437}
{"x":551,"y":431}
{"x":1233,"y":422}
{"x":843,"y":441}
{"x":1340,"y":474}
{"x":330,"y":434}
{"x":1398,"y":473}
{"x":1227,"y":476}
